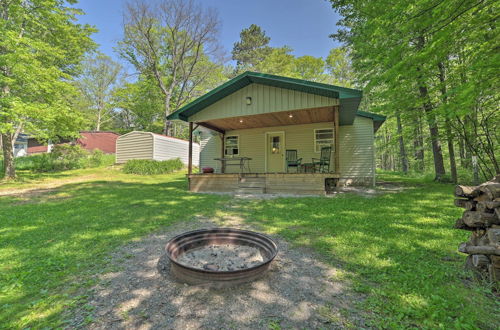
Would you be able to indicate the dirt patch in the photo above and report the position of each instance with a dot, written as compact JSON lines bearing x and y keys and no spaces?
{"x":43,"y":188}
{"x":298,"y":291}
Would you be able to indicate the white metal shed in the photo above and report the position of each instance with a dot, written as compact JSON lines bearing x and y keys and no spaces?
{"x":147,"y":145}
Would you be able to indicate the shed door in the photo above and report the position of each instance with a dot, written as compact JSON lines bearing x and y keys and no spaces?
{"x":275,"y":151}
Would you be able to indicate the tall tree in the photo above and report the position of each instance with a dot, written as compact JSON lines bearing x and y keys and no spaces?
{"x":338,"y":66}
{"x":96,"y":82}
{"x":252,"y":49}
{"x":173,"y":42}
{"x":396,"y":50}
{"x":40,"y":49}
{"x":309,"y":68}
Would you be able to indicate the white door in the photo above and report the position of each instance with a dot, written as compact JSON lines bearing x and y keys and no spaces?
{"x":275,"y":145}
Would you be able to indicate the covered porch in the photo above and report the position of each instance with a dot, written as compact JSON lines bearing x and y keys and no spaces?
{"x":262,"y":141}
{"x":261,"y":147}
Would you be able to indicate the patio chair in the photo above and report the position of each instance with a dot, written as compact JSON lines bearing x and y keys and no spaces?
{"x":292,"y":160}
{"x":322,"y":164}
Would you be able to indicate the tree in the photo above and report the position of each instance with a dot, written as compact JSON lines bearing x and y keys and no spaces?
{"x":171,"y":41}
{"x":279,"y":61}
{"x":96,"y":83}
{"x":397,"y":51}
{"x":309,"y":68}
{"x":40,"y":49}
{"x":252,"y":49}
{"x":140,"y":105}
{"x":339,"y":68}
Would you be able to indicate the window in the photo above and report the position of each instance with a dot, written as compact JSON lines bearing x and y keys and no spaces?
{"x":323,"y":138}
{"x":275,"y":144}
{"x":231,"y":146}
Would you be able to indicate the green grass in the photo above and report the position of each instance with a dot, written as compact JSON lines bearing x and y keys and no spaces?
{"x":398,"y":249}
{"x":51,"y":243}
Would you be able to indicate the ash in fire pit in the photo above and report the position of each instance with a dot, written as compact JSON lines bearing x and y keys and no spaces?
{"x":220,"y":256}
{"x":225,"y":257}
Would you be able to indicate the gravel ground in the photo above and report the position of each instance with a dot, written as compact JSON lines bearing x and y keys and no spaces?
{"x":298,"y":292}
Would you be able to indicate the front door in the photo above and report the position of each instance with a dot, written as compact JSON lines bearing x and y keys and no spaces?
{"x":275,"y":152}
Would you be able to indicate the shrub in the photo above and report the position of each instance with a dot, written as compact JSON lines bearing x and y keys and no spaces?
{"x":148,"y":167}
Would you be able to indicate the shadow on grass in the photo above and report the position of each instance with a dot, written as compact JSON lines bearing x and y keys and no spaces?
{"x":45,"y":244}
{"x":400,"y":249}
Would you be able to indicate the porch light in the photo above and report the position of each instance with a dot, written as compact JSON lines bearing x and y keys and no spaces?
{"x":241,"y":120}
{"x":290,"y":115}
{"x":249,"y":100}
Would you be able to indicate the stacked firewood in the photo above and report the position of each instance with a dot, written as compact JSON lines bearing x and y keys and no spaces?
{"x":482,"y":219}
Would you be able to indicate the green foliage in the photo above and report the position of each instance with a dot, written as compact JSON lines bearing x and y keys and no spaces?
{"x":434,"y":64}
{"x":53,"y":244}
{"x":151,"y":167}
{"x":67,"y":157}
{"x":96,"y":83}
{"x":339,"y":68}
{"x":41,"y":48}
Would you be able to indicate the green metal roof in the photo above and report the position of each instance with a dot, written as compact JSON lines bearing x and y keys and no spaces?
{"x":378,"y":120}
{"x":349,"y":98}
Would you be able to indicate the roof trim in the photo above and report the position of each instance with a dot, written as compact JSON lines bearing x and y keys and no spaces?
{"x":378,"y":120}
{"x":249,"y":77}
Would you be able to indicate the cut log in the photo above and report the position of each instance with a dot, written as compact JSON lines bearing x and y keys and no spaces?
{"x":493,"y":235}
{"x":491,"y":190}
{"x":483,"y":207}
{"x":494,"y":274}
{"x":480,"y":219}
{"x":466,"y":204}
{"x":482,"y":249}
{"x":466,"y":191}
{"x":480,"y":260}
{"x":459,"y":224}
{"x":497,"y":212}
{"x":481,"y":198}
{"x":492,"y":204}
{"x":495,"y":261}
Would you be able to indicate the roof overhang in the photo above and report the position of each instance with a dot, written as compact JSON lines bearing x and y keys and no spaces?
{"x":349,"y":98}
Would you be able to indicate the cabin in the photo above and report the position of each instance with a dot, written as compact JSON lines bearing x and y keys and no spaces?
{"x":264,"y":133}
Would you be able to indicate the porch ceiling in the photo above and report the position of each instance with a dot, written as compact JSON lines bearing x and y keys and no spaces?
{"x":282,"y":118}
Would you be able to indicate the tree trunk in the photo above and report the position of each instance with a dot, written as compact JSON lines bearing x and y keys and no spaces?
{"x":434,"y":133}
{"x":167,"y":125}
{"x":8,"y":157}
{"x":449,"y":137}
{"x":402,"y":150}
{"x":418,"y":146}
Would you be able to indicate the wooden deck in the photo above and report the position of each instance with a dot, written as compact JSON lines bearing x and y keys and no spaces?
{"x":269,"y":183}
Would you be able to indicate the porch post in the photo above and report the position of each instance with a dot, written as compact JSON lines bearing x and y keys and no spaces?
{"x":190,"y":156}
{"x":337,"y":142}
{"x":222,"y":138}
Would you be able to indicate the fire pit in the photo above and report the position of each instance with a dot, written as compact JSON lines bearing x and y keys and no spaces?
{"x":222,"y":256}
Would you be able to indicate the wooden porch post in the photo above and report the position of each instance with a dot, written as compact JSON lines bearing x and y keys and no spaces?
{"x":222,"y":138}
{"x":190,"y":157}
{"x":337,"y":142}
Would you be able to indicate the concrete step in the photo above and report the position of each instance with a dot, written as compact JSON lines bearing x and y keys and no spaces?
{"x":249,"y":190}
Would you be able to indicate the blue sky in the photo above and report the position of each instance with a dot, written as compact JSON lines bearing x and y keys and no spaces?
{"x":303,"y":25}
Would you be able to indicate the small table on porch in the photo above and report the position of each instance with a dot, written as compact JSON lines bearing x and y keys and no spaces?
{"x":238,"y":161}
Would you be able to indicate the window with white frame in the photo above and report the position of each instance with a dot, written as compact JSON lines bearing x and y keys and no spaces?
{"x":232,"y":146}
{"x":323,"y":138}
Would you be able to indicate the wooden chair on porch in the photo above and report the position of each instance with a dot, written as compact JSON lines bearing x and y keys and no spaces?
{"x":322,"y":165}
{"x":292,"y":160}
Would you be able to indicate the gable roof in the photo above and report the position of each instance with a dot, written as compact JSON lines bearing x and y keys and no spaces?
{"x":349,"y":98}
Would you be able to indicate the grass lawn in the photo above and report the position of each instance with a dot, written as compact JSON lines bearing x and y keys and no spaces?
{"x":398,"y":249}
{"x":51,"y":243}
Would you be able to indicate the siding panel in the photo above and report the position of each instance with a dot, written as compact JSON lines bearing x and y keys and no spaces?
{"x":265,"y":99}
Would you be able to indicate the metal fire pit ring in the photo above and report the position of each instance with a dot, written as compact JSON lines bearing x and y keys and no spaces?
{"x":198,"y":238}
